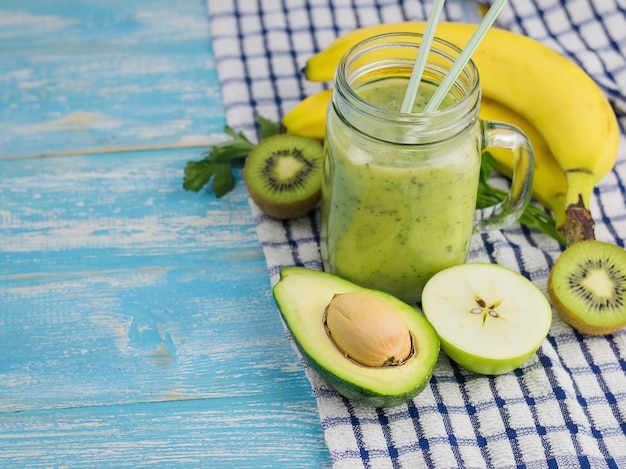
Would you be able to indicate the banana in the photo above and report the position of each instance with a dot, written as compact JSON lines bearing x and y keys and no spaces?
{"x":551,"y":92}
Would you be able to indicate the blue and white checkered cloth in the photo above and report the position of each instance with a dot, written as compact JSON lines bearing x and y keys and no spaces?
{"x":566,"y":407}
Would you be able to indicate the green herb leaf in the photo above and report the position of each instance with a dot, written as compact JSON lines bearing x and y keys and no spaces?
{"x":533,"y":217}
{"x":197,"y":174}
{"x":224,"y":181}
{"x":218,"y":161}
{"x":487,"y":165}
{"x":267,"y":128}
{"x":234,"y":150}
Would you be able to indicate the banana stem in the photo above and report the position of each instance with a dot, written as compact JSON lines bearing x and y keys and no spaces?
{"x":579,"y":224}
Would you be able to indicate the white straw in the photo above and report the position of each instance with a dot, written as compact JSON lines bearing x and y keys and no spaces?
{"x":465,"y":56}
{"x":422,"y":55}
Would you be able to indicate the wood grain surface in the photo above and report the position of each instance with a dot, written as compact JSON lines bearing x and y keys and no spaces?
{"x":137,"y":327}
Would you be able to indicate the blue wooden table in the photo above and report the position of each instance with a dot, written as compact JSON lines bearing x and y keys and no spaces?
{"x":137,"y":326}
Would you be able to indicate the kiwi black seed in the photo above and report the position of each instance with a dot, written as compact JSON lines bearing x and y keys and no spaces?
{"x":283,"y":174}
{"x":587,"y":286}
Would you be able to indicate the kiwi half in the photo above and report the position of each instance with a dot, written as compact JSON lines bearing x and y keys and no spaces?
{"x":587,"y":286}
{"x":283,"y":174}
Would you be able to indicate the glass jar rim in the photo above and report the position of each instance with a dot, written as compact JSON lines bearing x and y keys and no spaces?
{"x":443,"y":122}
{"x":440,"y":46}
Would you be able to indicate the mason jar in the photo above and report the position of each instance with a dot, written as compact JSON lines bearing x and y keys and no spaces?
{"x":399,"y":189}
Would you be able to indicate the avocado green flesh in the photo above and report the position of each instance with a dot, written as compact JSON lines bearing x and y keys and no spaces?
{"x":302,"y":296}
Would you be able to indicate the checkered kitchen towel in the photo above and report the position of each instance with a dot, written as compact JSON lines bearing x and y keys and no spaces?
{"x":566,"y":407}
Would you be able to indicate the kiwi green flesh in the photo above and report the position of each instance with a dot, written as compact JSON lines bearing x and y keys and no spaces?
{"x":283,"y":174}
{"x":587,"y":286}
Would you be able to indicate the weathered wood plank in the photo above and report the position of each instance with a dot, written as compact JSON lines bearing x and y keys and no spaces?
{"x":107,"y":211}
{"x":119,"y":288}
{"x":264,"y":433}
{"x":77,"y":74}
{"x":137,"y":325}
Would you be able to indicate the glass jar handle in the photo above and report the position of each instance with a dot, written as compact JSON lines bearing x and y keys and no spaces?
{"x":502,"y":214}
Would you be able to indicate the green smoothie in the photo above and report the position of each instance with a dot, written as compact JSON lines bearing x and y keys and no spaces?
{"x":394,"y":215}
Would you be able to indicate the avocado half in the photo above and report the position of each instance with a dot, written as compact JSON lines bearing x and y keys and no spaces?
{"x":302,"y":296}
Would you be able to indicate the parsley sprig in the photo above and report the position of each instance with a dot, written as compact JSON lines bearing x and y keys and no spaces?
{"x":217,"y":166}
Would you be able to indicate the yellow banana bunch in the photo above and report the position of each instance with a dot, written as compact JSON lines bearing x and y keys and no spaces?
{"x":552,"y":94}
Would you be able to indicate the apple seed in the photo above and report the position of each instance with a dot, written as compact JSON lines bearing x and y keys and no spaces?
{"x":484,"y":310}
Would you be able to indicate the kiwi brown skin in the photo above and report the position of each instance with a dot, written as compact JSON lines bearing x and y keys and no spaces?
{"x":285,"y":211}
{"x":579,"y":316}
{"x":288,"y":205}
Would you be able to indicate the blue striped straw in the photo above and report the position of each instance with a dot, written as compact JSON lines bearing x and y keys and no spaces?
{"x":422,"y":55}
{"x":464,"y":57}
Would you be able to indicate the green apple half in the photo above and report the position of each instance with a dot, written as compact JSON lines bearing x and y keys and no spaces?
{"x":490,"y":319}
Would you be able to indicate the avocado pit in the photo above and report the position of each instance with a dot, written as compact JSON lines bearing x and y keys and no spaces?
{"x":368,"y":331}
